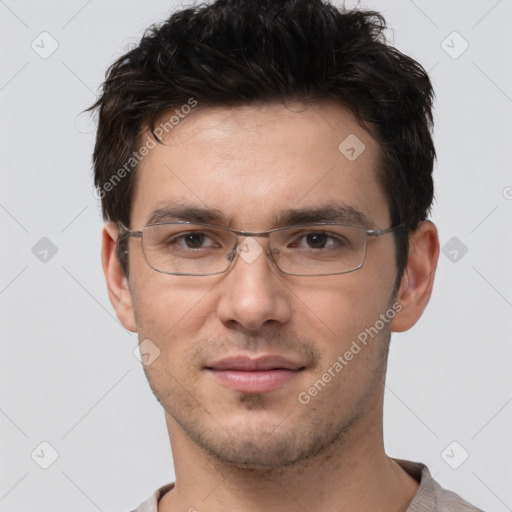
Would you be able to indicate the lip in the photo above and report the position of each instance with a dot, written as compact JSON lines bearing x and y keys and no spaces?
{"x":255,"y":375}
{"x":250,"y":364}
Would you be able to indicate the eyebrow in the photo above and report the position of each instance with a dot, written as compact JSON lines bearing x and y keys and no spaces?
{"x":336,"y":211}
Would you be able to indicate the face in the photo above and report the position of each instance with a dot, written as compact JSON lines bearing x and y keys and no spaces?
{"x":240,"y":352}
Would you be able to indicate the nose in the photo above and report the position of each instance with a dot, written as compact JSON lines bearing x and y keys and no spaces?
{"x":252,"y":291}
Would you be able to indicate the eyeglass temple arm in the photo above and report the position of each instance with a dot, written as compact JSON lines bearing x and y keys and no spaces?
{"x":379,"y":232}
{"x":126,"y":232}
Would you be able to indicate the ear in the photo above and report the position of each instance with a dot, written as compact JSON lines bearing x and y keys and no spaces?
{"x":418,"y":279}
{"x":117,"y":283}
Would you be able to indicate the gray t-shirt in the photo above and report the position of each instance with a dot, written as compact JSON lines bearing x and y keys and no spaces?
{"x":430,"y":497}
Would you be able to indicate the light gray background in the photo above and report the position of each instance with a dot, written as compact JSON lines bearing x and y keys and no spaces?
{"x":68,"y":373}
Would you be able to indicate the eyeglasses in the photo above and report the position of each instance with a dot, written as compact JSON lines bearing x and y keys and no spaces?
{"x":190,"y":249}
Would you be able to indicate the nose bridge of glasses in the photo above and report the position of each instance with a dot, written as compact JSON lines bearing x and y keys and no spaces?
{"x":248,"y":248}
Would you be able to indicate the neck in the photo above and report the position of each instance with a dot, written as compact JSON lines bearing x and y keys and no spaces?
{"x":353,"y":472}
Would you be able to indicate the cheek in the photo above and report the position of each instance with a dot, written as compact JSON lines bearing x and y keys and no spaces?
{"x":171,"y":316}
{"x":340,"y":307}
{"x":171,"y":309}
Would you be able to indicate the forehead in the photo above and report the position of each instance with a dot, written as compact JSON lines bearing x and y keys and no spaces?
{"x":252,"y":163}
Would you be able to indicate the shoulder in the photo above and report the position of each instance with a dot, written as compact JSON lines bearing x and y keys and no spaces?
{"x":151,"y":504}
{"x":450,"y":502}
{"x":431,"y":497}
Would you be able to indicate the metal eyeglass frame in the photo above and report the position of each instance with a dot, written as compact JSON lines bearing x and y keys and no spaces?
{"x":125,"y":232}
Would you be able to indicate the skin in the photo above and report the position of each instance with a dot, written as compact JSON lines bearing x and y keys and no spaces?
{"x":267,"y":451}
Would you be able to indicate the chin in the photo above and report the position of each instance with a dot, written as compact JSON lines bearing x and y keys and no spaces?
{"x":263,"y":445}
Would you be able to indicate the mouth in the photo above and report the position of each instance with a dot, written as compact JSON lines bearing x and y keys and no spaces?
{"x":255,"y":375}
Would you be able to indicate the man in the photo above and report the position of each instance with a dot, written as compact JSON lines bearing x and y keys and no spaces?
{"x":265,"y":170}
